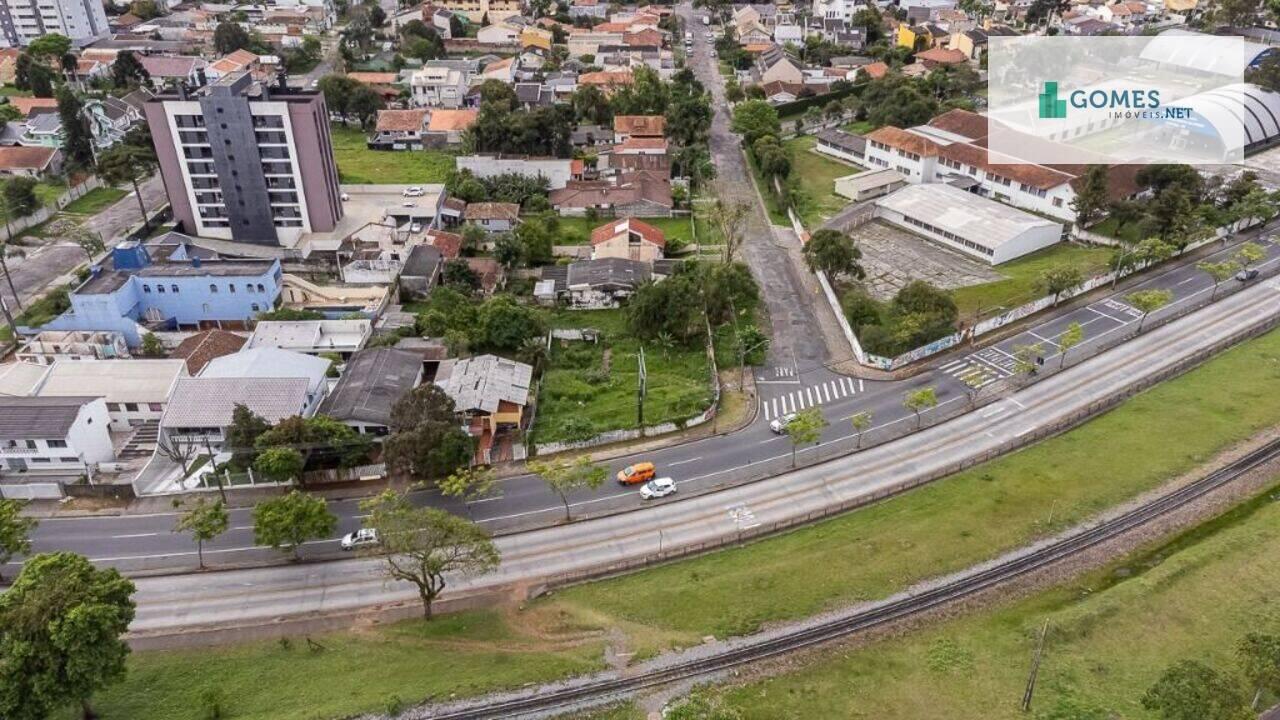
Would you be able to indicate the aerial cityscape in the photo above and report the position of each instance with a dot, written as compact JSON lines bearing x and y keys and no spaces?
{"x":494,"y":359}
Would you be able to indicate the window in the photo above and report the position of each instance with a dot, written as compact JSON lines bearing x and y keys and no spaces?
{"x":1057,"y":202}
{"x":56,"y":443}
{"x":261,"y":289}
{"x":68,"y":460}
{"x":113,"y":407}
{"x":174,"y":288}
{"x":31,"y":444}
{"x":254,"y":306}
{"x":131,"y":407}
{"x":160,"y":289}
{"x":231,"y":287}
{"x":213,"y":288}
{"x":248,"y":287}
{"x":146,"y":289}
{"x":155,"y":407}
{"x":40,"y":460}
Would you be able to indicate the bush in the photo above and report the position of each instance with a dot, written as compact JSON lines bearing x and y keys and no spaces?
{"x":570,"y":388}
{"x":577,"y":429}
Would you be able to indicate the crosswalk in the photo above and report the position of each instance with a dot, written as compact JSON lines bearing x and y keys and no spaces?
{"x":810,"y":396}
{"x":980,"y":369}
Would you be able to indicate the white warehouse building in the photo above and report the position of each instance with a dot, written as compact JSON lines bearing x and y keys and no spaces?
{"x":963,"y":221}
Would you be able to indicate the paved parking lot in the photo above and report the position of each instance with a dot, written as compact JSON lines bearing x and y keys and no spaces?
{"x":894,"y":257}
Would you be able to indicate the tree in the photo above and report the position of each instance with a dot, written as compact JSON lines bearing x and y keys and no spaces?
{"x":1060,"y":279}
{"x":124,"y":163}
{"x":861,"y":421}
{"x":60,"y":635}
{"x":280,"y":464}
{"x":127,"y":71}
{"x":506,"y":324}
{"x":337,"y":91}
{"x":229,"y":37}
{"x":1250,"y":253}
{"x":468,"y":484}
{"x":1026,"y":359}
{"x":49,"y":47}
{"x":89,"y":241}
{"x":145,"y":10}
{"x":920,"y":400}
{"x":1236,"y":13}
{"x":1148,"y":301}
{"x":286,"y":522}
{"x":1071,"y":337}
{"x":834,"y":253}
{"x":533,"y":352}
{"x":364,"y":104}
{"x":1191,"y":690}
{"x":205,"y":521}
{"x":424,"y":545}
{"x":426,"y":439}
{"x":754,"y":119}
{"x":15,"y":530}
{"x":1257,"y":205}
{"x":564,"y":476}
{"x":805,"y":428}
{"x":1092,"y":196}
{"x":242,"y":435}
{"x":177,"y":452}
{"x":20,"y":196}
{"x":1259,"y":659}
{"x":1219,"y":271}
{"x":77,"y":140}
{"x":731,"y":219}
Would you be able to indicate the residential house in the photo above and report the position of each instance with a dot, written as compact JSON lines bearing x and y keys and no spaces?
{"x":265,"y":362}
{"x":449,"y":244}
{"x":199,"y":349}
{"x":238,"y":61}
{"x":840,"y":144}
{"x":489,"y":394}
{"x":399,"y":129}
{"x":54,"y":434}
{"x":201,"y":409}
{"x":780,"y":93}
{"x":774,"y":65}
{"x":109,"y":119}
{"x":21,"y":379}
{"x":843,"y":10}
{"x":32,"y":162}
{"x":534,"y":94}
{"x":28,"y":105}
{"x":501,"y":70}
{"x":312,"y":337}
{"x":45,"y":348}
{"x":135,"y":390}
{"x":536,"y":39}
{"x":920,"y":37}
{"x":876,"y":70}
{"x":440,"y":83}
{"x":422,"y":269}
{"x":372,"y":382}
{"x":494,"y":217}
{"x":169,"y":70}
{"x":638,"y":193}
{"x":599,"y":283}
{"x":447,"y":126}
{"x":582,"y":42}
{"x":480,"y":11}
{"x":491,"y":273}
{"x":607,"y":80}
{"x":499,"y":34}
{"x":588,"y":8}
{"x":626,"y":127}
{"x":628,"y":238}
{"x":936,"y":57}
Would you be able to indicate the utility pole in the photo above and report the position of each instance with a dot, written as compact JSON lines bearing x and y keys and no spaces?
{"x":1035,"y":669}
{"x":13,"y":328}
{"x":221,"y":490}
{"x":641,"y":382}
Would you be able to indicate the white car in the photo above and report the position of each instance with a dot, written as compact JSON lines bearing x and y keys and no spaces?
{"x":345,"y":197}
{"x":658,"y":487}
{"x":415,"y":228}
{"x":360,"y":538}
{"x":780,"y":425}
{"x":414,"y":191}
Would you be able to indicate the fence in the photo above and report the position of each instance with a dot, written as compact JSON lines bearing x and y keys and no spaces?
{"x":43,"y":214}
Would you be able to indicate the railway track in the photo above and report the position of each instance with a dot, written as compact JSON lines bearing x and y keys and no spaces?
{"x":579,"y":694}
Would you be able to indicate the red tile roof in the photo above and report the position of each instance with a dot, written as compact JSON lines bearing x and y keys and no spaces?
{"x":449,"y":244}
{"x":447,"y":120}
{"x":492,"y":211}
{"x":23,"y":158}
{"x":401,"y":120}
{"x":611,"y":230}
{"x":941,"y":56}
{"x":640,"y":125}
{"x":961,"y":122}
{"x":26,"y":104}
{"x":900,"y":139}
{"x":875,"y":70}
{"x":202,"y":347}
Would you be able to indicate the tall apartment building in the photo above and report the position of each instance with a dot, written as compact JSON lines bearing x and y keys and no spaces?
{"x":22,"y":21}
{"x":247,"y":162}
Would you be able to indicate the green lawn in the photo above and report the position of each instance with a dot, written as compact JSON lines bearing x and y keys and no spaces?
{"x":95,"y":201}
{"x":777,"y":214}
{"x":816,"y":175}
{"x":1111,"y":636}
{"x":359,"y":165}
{"x":955,"y":523}
{"x":41,"y":311}
{"x":1128,"y":232}
{"x":356,"y":672}
{"x":575,"y":387}
{"x":1023,"y":276}
{"x":577,"y":230}
{"x":11,"y":91}
{"x":860,"y":127}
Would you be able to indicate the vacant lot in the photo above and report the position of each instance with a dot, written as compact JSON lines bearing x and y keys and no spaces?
{"x":1022,"y":277}
{"x":358,"y":165}
{"x":577,"y":230}
{"x":816,"y":176}
{"x":95,"y":201}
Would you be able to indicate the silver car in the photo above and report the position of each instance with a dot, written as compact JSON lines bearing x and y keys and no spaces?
{"x":779,"y":425}
{"x":658,"y":487}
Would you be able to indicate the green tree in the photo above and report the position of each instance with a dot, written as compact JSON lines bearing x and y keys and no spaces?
{"x":20,"y":197}
{"x":1191,"y":690}
{"x":1071,"y":337}
{"x":337,"y":91}
{"x":805,"y":428}
{"x":229,"y":37}
{"x":860,"y":421}
{"x":1259,"y":658}
{"x":1250,"y":253}
{"x":124,"y":163}
{"x":286,"y":522}
{"x":426,"y":441}
{"x":50,"y":47}
{"x":1219,"y":271}
{"x":242,"y":435}
{"x":917,"y":401}
{"x":205,"y":521}
{"x":1026,"y":358}
{"x":1148,"y":301}
{"x":280,"y":464}
{"x":506,"y":324}
{"x":564,"y":476}
{"x":1060,"y":279}
{"x":1091,"y":198}
{"x":424,"y":545}
{"x":15,"y":530}
{"x":364,"y":104}
{"x":468,"y":484}
{"x":754,"y":119}
{"x":834,"y":253}
{"x":77,"y":140}
{"x":60,"y":635}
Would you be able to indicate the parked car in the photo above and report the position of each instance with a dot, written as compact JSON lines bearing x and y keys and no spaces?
{"x":415,"y":228}
{"x":360,"y":538}
{"x":1247,"y":274}
{"x":414,"y":191}
{"x":660,"y":487}
{"x":779,"y":425}
{"x":636,"y":474}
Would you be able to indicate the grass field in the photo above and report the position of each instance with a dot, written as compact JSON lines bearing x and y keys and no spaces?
{"x":816,"y":175}
{"x":359,"y":165}
{"x":576,"y":386}
{"x":1128,"y":232}
{"x":1111,"y":635}
{"x":1022,"y":277}
{"x":777,"y":214}
{"x":577,"y":230}
{"x":95,"y":201}
{"x":860,"y":127}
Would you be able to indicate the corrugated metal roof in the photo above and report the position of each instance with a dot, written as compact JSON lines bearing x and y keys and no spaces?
{"x":481,"y":382}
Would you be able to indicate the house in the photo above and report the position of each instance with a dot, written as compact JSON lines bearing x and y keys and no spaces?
{"x":779,"y":92}
{"x":489,"y":394}
{"x":607,"y":80}
{"x":630,"y":239}
{"x":876,"y":70}
{"x":499,"y":34}
{"x":557,"y":171}
{"x":339,"y":300}
{"x":501,"y":70}
{"x":476,"y":11}
{"x":45,"y":348}
{"x":604,"y":282}
{"x":130,"y":291}
{"x":449,"y":244}
{"x":440,"y":83}
{"x":200,"y":410}
{"x":535,"y":38}
{"x":240,"y":60}
{"x":21,"y":379}
{"x":491,"y":273}
{"x":494,"y":217}
{"x":920,"y":37}
{"x":399,"y":129}
{"x":448,"y":126}
{"x":774,"y":65}
{"x":168,"y":70}
{"x":32,"y":162}
{"x":626,"y":127}
{"x":109,"y":119}
{"x":199,"y":349}
{"x":371,"y":384}
{"x":55,"y":434}
{"x":422,"y":269}
{"x":312,"y":337}
{"x":135,"y":390}
{"x":638,"y":193}
{"x":264,"y":362}
{"x":640,"y":146}
{"x":534,"y":94}
{"x":869,"y":184}
{"x":588,"y":8}
{"x":936,"y":57}
{"x":584,"y":43}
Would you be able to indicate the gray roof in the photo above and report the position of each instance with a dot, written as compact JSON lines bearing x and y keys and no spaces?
{"x":481,"y":382}
{"x":371,"y":383}
{"x":269,"y":362}
{"x":608,"y":272}
{"x":423,"y":261}
{"x":844,"y":141}
{"x":210,"y":402}
{"x":35,"y":418}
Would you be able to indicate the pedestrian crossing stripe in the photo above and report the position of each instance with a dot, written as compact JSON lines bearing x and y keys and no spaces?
{"x":809,"y":396}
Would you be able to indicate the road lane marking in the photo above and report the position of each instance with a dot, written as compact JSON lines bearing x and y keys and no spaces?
{"x":134,"y":535}
{"x":682,"y":462}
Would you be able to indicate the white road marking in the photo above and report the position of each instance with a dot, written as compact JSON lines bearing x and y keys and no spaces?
{"x":682,"y":462}
{"x":135,"y":535}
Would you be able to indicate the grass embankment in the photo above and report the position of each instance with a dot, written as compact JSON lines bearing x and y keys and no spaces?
{"x":95,"y":201}
{"x":1111,"y":635}
{"x":816,"y":175}
{"x":359,"y":165}
{"x":1022,"y":278}
{"x":867,"y":554}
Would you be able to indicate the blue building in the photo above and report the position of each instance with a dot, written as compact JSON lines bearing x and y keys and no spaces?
{"x":131,"y":294}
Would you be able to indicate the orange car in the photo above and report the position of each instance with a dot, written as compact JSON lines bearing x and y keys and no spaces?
{"x":636,"y":474}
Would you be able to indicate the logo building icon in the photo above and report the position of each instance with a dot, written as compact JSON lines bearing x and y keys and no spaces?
{"x":1050,"y":105}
